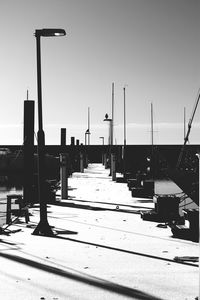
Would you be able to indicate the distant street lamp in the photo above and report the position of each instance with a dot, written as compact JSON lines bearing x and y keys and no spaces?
{"x":87,"y":137}
{"x":102,"y":137}
{"x":124,"y":149}
{"x":43,"y":227}
{"x":87,"y":133}
{"x":111,"y":129}
{"x":110,"y":139}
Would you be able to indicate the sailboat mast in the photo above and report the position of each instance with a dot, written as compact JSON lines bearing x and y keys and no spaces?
{"x":188,"y":130}
{"x":88,"y":126}
{"x":152,"y":143}
{"x":184,"y":133}
{"x":151,"y":124}
{"x":112,"y":118}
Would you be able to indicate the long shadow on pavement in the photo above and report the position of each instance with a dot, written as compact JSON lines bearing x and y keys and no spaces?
{"x":127,"y":251}
{"x":84,"y":278}
{"x":61,"y":203}
{"x":97,"y":208}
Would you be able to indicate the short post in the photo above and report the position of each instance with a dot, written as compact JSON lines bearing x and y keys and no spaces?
{"x":8,"y":211}
{"x":81,"y":162}
{"x":106,"y":161}
{"x":103,"y":159}
{"x":28,"y":151}
{"x":72,"y":140}
{"x":64,"y":175}
{"x":63,"y":137}
{"x":113,"y":166}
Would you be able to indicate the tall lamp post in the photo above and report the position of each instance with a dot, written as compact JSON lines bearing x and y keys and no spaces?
{"x":106,"y":119}
{"x":124,"y":150}
{"x":110,"y":138}
{"x":43,"y":227}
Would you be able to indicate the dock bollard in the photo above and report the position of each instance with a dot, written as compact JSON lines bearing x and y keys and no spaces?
{"x":64,"y":157}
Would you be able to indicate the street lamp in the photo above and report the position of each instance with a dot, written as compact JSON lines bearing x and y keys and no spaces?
{"x":110,"y":139}
{"x":102,"y":137}
{"x":110,"y":128}
{"x":43,"y":227}
{"x":87,"y":133}
{"x":124,"y":149}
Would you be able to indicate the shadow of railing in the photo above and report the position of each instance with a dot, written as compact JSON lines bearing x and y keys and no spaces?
{"x":128,"y":251}
{"x":110,"y":203}
{"x":84,"y":278}
{"x":99,"y":208}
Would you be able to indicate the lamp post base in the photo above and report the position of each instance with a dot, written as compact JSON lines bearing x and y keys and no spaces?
{"x":43,"y":228}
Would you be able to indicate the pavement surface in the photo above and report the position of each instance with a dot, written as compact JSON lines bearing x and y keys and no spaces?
{"x":101,"y":249}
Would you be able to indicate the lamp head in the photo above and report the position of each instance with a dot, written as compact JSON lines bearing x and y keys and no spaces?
{"x":106,"y":118}
{"x":50,"y":32}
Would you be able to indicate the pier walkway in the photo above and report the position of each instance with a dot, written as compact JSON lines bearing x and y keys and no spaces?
{"x":102,"y":249}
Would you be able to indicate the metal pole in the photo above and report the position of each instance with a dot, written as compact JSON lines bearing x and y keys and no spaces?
{"x":151,"y":124}
{"x":112,"y":119}
{"x":184,"y":133}
{"x":110,"y":132}
{"x":152,"y":143}
{"x":43,"y":227}
{"x":124,"y":116}
{"x":88,"y":126}
{"x":124,"y":162}
{"x":199,"y":192}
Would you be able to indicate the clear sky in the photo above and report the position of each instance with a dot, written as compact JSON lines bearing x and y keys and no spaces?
{"x":152,"y":46}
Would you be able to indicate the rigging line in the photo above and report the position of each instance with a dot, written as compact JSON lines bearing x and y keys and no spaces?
{"x":189,"y":129}
{"x":174,"y":194}
{"x":186,"y":204}
{"x":17,"y":154}
{"x":35,"y":136}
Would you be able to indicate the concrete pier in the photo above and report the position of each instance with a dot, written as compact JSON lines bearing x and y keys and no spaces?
{"x":102,"y":249}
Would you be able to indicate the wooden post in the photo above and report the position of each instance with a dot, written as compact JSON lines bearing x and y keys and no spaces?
{"x":72,"y":141}
{"x":64,"y":175}
{"x":113,"y":166}
{"x":63,"y":137}
{"x":28,"y":151}
{"x":81,"y":162}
